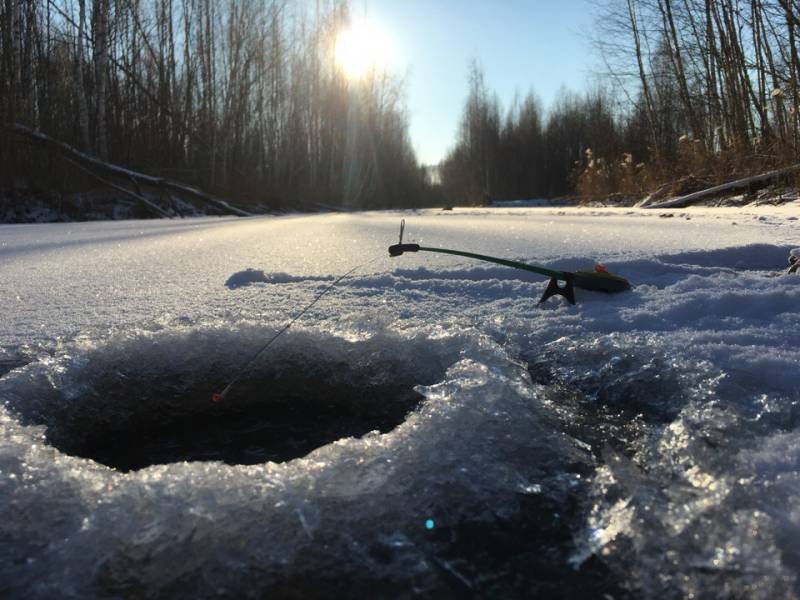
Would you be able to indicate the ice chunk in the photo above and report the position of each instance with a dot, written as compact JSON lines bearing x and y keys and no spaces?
{"x":245,"y":278}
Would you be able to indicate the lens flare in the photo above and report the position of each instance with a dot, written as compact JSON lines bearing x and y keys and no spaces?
{"x":361,"y":48}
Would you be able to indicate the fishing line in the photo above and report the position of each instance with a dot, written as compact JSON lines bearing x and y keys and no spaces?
{"x":218,"y":397}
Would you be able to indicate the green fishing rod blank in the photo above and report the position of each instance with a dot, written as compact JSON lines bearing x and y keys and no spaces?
{"x":599,"y":280}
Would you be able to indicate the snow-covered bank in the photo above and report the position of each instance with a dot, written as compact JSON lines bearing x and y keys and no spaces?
{"x":95,"y":205}
{"x":645,"y":443}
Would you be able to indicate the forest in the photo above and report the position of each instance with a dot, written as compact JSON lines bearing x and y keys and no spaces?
{"x":241,"y":98}
{"x":244,"y":100}
{"x":686,"y":94}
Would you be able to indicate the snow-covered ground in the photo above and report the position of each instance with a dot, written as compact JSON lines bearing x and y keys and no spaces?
{"x":646,"y":443}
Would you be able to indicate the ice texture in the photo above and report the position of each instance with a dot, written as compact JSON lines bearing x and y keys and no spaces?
{"x":642,"y":444}
{"x":353,"y":511}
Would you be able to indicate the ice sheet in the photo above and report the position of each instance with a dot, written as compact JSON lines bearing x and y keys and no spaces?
{"x":646,"y":439}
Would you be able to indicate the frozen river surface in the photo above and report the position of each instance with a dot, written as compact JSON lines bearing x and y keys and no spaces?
{"x":425,"y":430}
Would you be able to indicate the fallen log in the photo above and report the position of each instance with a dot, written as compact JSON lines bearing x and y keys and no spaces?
{"x":93,"y":162}
{"x":153,"y":206}
{"x":683,"y":201}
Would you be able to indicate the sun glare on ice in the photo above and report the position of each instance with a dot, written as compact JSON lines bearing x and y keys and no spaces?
{"x":361,"y":48}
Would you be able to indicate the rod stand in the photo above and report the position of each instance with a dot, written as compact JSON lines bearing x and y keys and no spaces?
{"x":554,"y":289}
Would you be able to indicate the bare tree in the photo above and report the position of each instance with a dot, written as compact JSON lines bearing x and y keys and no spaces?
{"x":79,"y":85}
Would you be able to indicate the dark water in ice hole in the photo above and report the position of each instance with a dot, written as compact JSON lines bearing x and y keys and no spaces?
{"x":266,"y":417}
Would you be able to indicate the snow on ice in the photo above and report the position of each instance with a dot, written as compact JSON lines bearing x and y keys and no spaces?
{"x":430,"y":430}
{"x":251,"y":276}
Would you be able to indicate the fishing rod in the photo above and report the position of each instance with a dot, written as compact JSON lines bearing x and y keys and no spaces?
{"x":599,"y":280}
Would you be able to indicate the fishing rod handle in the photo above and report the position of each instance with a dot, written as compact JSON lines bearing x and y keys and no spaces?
{"x":398,"y":249}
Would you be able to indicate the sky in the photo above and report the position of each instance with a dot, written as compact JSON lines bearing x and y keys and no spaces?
{"x":521,"y":44}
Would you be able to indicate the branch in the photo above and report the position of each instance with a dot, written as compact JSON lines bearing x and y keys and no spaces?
{"x":94,"y":162}
{"x":682,"y":201}
{"x":119,"y":188}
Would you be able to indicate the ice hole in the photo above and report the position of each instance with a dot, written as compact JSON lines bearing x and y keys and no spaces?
{"x":269,"y":417}
{"x":149,"y":402}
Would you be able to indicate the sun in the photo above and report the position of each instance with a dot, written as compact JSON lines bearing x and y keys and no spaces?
{"x":361,"y":48}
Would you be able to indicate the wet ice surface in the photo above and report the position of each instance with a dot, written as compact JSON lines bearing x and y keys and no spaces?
{"x":645,"y":444}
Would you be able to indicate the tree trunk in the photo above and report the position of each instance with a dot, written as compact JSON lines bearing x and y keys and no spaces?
{"x":80,"y":88}
{"x":648,"y":98}
{"x":795,"y":73}
{"x":101,"y":8}
{"x":674,"y":47}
